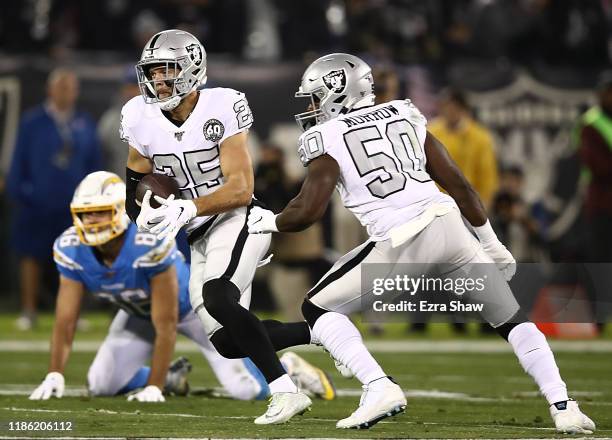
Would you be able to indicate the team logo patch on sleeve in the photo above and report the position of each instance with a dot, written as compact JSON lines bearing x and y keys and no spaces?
{"x":213,"y":130}
{"x":335,"y":80}
{"x":195,"y":53}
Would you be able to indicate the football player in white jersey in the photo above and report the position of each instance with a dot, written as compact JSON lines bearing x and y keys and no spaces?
{"x":385,"y":166}
{"x":199,"y":137}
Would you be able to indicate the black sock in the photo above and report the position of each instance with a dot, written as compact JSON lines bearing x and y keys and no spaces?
{"x":244,"y":328}
{"x":289,"y":334}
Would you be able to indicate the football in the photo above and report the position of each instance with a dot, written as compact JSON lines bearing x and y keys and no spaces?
{"x":160,"y":185}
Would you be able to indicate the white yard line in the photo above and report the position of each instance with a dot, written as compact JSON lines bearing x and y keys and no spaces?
{"x":26,"y":389}
{"x":307,"y":419}
{"x":403,"y":346}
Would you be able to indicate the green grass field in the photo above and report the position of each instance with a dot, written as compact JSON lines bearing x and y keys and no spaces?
{"x":452,"y":393}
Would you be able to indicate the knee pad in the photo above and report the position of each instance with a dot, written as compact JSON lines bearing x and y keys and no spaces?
{"x":225,"y":346}
{"x":505,"y":329}
{"x":311,"y":312}
{"x":220,"y":296}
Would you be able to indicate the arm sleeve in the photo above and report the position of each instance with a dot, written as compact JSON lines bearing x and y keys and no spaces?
{"x":126,"y":134}
{"x":319,"y":140}
{"x":238,"y":117}
{"x":64,"y":260}
{"x":310,"y":146}
{"x":132,"y":178}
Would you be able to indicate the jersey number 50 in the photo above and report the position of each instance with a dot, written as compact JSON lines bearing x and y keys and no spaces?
{"x":407,"y":158}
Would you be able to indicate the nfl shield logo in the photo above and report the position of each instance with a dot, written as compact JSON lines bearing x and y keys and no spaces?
{"x":335,"y":80}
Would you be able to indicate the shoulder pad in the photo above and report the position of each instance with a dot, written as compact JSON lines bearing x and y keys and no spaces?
{"x":224,"y":94}
{"x":310,"y":145}
{"x":414,"y":113}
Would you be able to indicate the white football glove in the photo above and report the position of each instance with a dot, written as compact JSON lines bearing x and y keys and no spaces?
{"x":174,"y":215}
{"x":148,"y":216}
{"x":53,"y":385}
{"x":150,"y":393}
{"x":261,"y":221}
{"x":502,"y":257}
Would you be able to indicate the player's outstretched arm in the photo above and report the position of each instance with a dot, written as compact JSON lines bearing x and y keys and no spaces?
{"x":164,"y":316}
{"x":67,"y":308}
{"x":447,"y":174}
{"x":310,"y":204}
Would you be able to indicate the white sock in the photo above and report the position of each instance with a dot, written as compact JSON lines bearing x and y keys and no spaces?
{"x":537,"y":359}
{"x":338,"y":335}
{"x":283,"y":384}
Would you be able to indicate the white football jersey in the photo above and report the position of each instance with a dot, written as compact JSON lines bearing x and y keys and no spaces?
{"x":380,"y":151}
{"x":189,"y":153}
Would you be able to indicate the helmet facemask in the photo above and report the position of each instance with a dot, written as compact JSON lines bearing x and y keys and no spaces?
{"x":96,"y":234}
{"x":174,"y":81}
{"x":315,"y":114}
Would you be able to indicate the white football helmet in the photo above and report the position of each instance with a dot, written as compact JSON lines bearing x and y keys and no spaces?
{"x":99,"y":192}
{"x":335,"y":84}
{"x":178,"y":51}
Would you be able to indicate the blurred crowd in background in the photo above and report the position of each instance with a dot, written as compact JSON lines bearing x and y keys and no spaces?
{"x":562,"y":32}
{"x":553,"y":203}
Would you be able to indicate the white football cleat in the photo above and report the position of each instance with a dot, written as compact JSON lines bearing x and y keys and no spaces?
{"x":380,"y":399}
{"x":307,"y":377}
{"x":283,"y":406}
{"x":569,"y":419}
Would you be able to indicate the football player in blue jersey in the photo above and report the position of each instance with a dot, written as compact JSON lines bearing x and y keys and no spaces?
{"x":103,"y":253}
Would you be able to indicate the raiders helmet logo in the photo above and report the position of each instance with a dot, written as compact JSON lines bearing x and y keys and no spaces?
{"x":195,"y":53}
{"x":335,"y":80}
{"x":213,"y":130}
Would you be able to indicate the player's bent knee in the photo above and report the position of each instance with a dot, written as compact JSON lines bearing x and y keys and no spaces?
{"x":505,"y":329}
{"x":311,"y":312}
{"x":225,"y":346}
{"x":220,"y":296}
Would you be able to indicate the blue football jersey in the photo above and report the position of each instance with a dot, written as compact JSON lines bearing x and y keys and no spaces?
{"x":127,"y":283}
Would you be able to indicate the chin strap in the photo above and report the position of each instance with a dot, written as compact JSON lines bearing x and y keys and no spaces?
{"x":170,"y":104}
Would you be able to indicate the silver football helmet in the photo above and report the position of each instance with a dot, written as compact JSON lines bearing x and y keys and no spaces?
{"x":185,"y":60}
{"x":335,"y":84}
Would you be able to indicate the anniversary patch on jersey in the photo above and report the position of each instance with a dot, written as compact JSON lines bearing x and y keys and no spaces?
{"x":195,"y":53}
{"x":335,"y":80}
{"x":213,"y":130}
